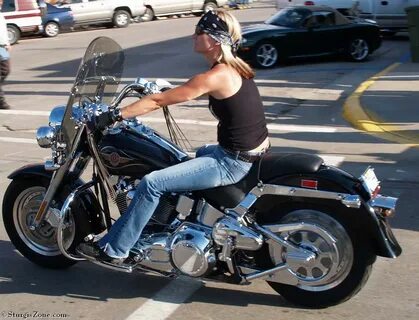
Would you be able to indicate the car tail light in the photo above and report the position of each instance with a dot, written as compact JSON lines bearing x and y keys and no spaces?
{"x":309,"y":3}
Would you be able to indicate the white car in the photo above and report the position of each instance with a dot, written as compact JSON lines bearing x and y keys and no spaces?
{"x":116,"y":12}
{"x":390,"y":15}
{"x":158,"y":8}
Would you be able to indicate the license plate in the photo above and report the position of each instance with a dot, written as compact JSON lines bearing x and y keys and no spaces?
{"x":369,"y":179}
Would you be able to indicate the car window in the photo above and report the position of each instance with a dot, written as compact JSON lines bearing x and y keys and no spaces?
{"x":289,"y":17}
{"x":8,"y":5}
{"x":320,"y":19}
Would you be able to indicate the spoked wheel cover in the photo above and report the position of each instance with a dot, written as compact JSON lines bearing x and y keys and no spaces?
{"x":359,"y":49}
{"x":43,"y":239}
{"x":52,"y":29}
{"x":266,"y":55}
{"x":122,"y":19}
{"x":334,"y":255}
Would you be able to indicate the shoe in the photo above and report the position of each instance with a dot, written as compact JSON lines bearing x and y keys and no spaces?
{"x":92,"y":251}
{"x":4,"y":105}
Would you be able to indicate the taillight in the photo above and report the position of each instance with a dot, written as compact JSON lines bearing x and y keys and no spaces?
{"x":309,"y":3}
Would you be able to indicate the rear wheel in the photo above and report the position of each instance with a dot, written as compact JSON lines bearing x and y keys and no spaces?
{"x":52,"y":29}
{"x":121,"y":19}
{"x":148,"y":15}
{"x":13,"y":33}
{"x":210,"y":6}
{"x":342,"y":266}
{"x":20,"y":205}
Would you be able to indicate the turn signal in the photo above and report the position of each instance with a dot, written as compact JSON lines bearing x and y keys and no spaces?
{"x":309,"y":3}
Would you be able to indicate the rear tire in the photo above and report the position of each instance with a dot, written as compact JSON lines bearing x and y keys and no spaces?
{"x":350,"y":273}
{"x":13,"y":33}
{"x":121,"y":19}
{"x":209,"y":6}
{"x":148,"y":15}
{"x":52,"y":29}
{"x":21,"y":202}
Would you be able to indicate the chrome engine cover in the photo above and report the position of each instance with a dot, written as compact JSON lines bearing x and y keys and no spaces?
{"x":192,"y":250}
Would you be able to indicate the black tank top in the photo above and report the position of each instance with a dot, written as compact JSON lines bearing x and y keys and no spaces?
{"x":242,"y":124}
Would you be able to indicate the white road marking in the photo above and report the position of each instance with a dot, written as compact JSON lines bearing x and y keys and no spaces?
{"x":272,"y":127}
{"x":167,"y":300}
{"x":332,"y":160}
{"x":18,"y":140}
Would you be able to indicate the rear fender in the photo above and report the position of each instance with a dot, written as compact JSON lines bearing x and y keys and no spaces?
{"x":364,"y":219}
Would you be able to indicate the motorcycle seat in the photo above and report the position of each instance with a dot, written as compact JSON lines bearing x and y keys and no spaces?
{"x":271,"y":165}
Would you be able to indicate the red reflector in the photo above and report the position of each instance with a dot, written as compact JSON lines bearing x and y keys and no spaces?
{"x":376,"y":191}
{"x":309,"y":3}
{"x":312,"y":184}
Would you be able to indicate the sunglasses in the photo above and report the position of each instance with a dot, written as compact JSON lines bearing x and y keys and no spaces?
{"x":199,"y":30}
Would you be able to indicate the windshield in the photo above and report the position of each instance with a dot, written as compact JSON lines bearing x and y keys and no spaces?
{"x":97,"y":80}
{"x":289,"y":17}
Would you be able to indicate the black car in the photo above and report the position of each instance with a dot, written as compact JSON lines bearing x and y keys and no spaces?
{"x":308,"y":31}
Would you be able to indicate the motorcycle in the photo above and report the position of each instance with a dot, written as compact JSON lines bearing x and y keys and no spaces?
{"x":312,"y":231}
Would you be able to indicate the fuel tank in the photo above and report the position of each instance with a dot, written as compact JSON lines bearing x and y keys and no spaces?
{"x":130,"y":152}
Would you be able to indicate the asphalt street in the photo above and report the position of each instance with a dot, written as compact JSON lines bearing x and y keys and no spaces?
{"x":303,"y":101}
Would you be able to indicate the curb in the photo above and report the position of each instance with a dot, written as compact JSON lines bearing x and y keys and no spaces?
{"x":361,"y":119}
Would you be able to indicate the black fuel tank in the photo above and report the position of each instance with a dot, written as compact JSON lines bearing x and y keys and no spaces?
{"x":130,"y":154}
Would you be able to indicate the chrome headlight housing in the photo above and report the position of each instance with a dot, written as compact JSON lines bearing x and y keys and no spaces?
{"x":46,"y":136}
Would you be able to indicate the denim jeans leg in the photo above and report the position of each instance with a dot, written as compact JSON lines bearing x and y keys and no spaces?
{"x":196,"y":174}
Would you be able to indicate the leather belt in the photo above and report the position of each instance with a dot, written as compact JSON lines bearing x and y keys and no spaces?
{"x":244,"y":155}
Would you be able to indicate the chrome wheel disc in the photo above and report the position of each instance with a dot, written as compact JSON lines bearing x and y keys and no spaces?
{"x":266,"y":55}
{"x":43,"y":239}
{"x":359,"y":49}
{"x":51,"y":29}
{"x":332,"y":248}
{"x":122,"y":19}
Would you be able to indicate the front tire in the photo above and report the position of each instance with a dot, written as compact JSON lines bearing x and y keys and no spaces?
{"x":121,"y":19}
{"x":341,"y":269}
{"x":265,"y":55}
{"x":358,"y":49}
{"x":210,"y":6}
{"x":148,"y":15}
{"x":20,"y":205}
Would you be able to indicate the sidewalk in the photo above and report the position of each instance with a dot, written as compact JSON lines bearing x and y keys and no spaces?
{"x":388,"y":104}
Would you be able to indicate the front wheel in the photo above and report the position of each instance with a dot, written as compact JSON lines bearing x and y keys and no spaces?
{"x":265,"y":55}
{"x":21,"y":202}
{"x":210,"y":6}
{"x":342,"y":266}
{"x":148,"y":15}
{"x":358,"y":50}
{"x":121,"y":19}
{"x":13,"y":33}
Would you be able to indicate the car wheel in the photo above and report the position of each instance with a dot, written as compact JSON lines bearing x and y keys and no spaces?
{"x":148,"y":15}
{"x":358,"y":49}
{"x":265,"y":55}
{"x":13,"y":33}
{"x":121,"y":19}
{"x":210,"y":6}
{"x":51,"y":29}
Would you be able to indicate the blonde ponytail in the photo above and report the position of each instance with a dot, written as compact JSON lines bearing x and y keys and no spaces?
{"x":227,"y":55}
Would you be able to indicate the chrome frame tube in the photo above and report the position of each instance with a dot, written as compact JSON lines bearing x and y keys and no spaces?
{"x":349,"y":200}
{"x":64,"y":210}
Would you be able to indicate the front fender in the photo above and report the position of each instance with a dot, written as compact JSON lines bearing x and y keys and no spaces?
{"x":89,"y":202}
{"x":365,"y":219}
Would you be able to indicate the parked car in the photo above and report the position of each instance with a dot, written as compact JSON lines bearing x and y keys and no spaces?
{"x":159,"y":8}
{"x":57,"y":20}
{"x":390,"y":15}
{"x":308,"y":31}
{"x":112,"y":12}
{"x":23,"y":17}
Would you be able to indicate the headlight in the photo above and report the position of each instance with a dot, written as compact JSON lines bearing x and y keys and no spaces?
{"x":244,"y":40}
{"x":45,"y":136}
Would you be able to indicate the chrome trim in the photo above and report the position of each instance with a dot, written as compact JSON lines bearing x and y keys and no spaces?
{"x":207,"y":214}
{"x":64,"y":210}
{"x":184,"y":206}
{"x":56,"y":116}
{"x":349,"y":200}
{"x":45,"y":136}
{"x":383,"y":202}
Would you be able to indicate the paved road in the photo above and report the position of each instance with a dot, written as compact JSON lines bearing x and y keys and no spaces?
{"x":303,"y":105}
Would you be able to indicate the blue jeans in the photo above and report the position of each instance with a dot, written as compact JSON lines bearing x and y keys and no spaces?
{"x":211,"y":168}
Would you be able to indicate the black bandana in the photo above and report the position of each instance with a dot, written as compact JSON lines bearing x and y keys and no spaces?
{"x":217,"y":29}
